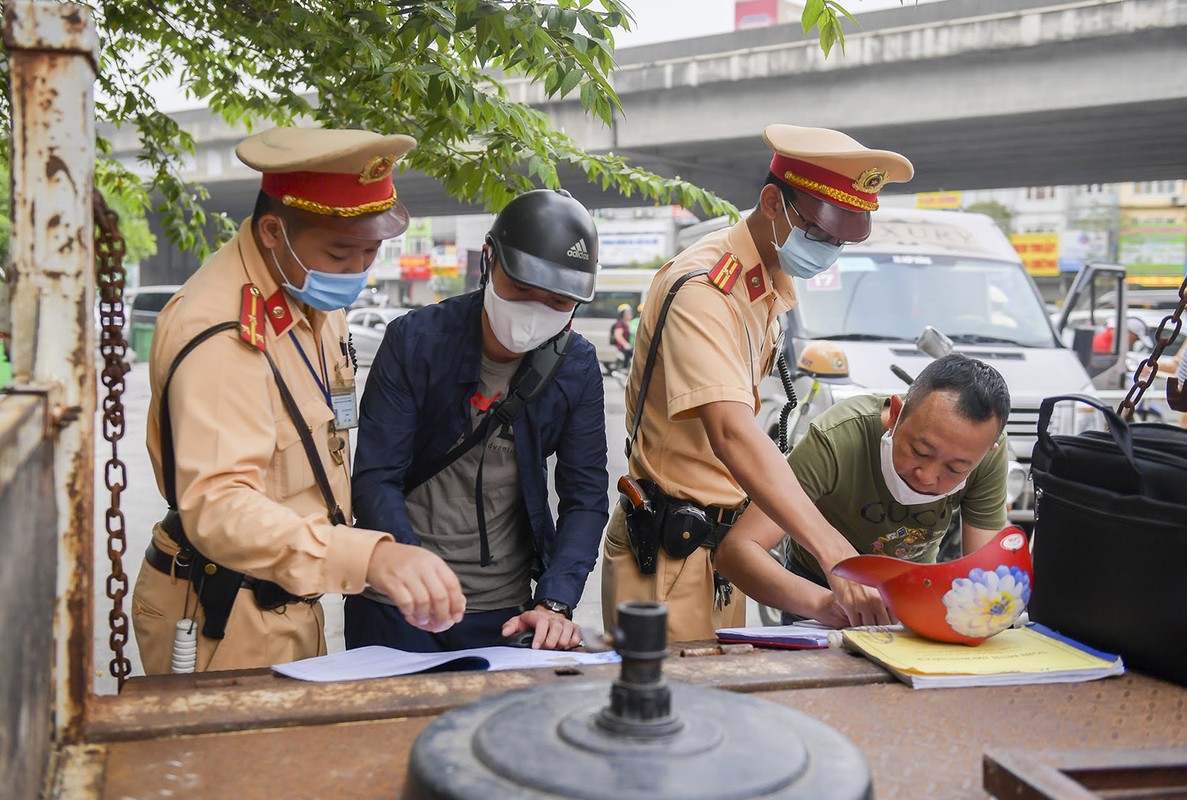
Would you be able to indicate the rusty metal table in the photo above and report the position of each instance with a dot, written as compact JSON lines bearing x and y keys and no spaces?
{"x":253,"y":734}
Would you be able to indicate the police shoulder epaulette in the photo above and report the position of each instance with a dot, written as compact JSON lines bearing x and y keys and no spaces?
{"x":726,"y":272}
{"x":251,"y":321}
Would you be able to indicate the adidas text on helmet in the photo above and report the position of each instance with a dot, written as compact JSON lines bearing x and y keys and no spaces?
{"x":578,"y":250}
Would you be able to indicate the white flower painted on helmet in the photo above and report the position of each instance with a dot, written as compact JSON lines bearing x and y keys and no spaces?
{"x":986,"y":603}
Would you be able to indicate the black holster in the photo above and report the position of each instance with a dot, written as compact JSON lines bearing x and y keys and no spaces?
{"x":679,"y":526}
{"x":216,"y":586}
{"x":643,"y":534}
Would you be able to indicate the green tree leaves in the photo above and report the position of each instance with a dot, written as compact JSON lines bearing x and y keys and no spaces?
{"x":825,"y":15}
{"x":449,"y":72}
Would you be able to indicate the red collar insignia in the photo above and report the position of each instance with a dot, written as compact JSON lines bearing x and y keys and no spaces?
{"x":279,"y":315}
{"x":756,"y":283}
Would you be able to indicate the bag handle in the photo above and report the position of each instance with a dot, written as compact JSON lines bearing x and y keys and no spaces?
{"x":1118,"y":428}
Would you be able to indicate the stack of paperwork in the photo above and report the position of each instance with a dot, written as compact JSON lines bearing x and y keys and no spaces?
{"x":1034,"y":654}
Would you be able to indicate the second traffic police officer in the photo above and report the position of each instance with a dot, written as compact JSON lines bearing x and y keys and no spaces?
{"x":252,"y":399}
{"x":466,"y":402}
{"x":700,"y":453}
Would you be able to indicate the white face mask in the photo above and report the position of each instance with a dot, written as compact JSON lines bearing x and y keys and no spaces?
{"x":522,"y":325}
{"x":899,"y":489}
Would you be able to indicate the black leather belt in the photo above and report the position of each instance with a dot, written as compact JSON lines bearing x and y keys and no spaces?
{"x":179,"y":568}
{"x":161,"y":561}
{"x":722,"y":516}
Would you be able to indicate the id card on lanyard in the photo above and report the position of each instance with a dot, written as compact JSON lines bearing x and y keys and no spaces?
{"x":345,"y":406}
{"x":341,"y":399}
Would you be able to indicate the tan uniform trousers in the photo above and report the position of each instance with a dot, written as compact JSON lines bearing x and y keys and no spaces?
{"x":685,"y":586}
{"x":254,"y":638}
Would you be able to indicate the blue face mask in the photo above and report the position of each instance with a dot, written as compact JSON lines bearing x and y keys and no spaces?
{"x":801,"y":257}
{"x":325,"y":291}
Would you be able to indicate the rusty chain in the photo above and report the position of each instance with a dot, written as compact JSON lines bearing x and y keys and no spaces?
{"x":1146,"y":371}
{"x":109,"y":277}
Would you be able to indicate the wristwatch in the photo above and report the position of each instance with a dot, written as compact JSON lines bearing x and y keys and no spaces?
{"x":557,"y":607}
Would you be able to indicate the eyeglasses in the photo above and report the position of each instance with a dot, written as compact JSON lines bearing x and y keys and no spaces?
{"x":815,"y":233}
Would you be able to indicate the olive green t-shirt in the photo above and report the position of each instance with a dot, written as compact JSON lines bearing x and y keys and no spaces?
{"x":838,"y":462}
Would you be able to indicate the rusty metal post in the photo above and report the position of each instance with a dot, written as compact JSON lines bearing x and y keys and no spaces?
{"x":53,"y":52}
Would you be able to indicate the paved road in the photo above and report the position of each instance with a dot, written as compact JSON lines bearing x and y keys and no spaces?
{"x":142,"y":506}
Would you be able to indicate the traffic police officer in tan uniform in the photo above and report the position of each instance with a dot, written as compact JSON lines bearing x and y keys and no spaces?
{"x":700,"y":453}
{"x":252,"y":360}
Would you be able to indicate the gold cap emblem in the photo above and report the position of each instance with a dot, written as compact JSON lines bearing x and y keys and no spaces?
{"x":871,"y":180}
{"x":377,"y":169}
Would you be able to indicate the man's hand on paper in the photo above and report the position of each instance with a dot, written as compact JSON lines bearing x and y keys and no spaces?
{"x":862,"y":605}
{"x":830,"y":612}
{"x":419,"y":582}
{"x":553,"y":630}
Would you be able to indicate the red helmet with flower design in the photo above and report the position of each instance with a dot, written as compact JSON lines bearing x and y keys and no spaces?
{"x":965,"y":601}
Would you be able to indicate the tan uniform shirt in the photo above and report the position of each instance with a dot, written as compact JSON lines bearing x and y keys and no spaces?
{"x":245,"y":488}
{"x":714,"y":347}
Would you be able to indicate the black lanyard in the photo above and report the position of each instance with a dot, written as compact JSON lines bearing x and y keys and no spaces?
{"x":320,"y":384}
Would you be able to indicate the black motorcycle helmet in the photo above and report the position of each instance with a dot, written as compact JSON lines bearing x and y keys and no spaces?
{"x":547,"y":240}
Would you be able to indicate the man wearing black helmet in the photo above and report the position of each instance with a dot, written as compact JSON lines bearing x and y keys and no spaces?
{"x":465,"y":402}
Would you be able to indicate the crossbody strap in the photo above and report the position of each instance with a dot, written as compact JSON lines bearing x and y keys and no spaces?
{"x":333,"y":510}
{"x":651,"y":353}
{"x":528,"y":383}
{"x":168,"y":461}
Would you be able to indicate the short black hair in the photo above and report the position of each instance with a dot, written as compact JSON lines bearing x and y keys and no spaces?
{"x":787,"y":192}
{"x":267,"y":204}
{"x":981,"y":391}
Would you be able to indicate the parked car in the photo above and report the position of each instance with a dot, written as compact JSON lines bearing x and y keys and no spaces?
{"x":141,"y":307}
{"x":1112,"y":369}
{"x":367,"y":327}
{"x":1151,"y":305}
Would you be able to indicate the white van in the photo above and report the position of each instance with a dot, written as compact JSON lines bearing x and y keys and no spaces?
{"x":958,"y":273}
{"x":594,"y":319}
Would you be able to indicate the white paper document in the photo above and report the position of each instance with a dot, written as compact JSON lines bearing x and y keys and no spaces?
{"x":377,"y":661}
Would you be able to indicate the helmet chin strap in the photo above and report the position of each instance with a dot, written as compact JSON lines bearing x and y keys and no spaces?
{"x":484,"y":265}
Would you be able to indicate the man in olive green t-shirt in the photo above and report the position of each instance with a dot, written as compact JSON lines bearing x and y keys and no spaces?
{"x":888,"y":473}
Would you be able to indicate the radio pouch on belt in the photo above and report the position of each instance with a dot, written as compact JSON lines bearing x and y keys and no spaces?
{"x":643,"y":523}
{"x":684,"y":528}
{"x":216,"y":586}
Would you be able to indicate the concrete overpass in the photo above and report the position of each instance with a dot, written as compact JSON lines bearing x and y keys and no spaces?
{"x":1030,"y":94}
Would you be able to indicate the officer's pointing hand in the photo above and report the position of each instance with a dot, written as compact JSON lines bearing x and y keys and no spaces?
{"x":421,"y":585}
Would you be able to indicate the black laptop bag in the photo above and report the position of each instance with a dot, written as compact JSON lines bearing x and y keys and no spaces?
{"x":1110,"y":540}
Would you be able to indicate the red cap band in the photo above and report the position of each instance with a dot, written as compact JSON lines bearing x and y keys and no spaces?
{"x":832,"y":187}
{"x":331,"y":194}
